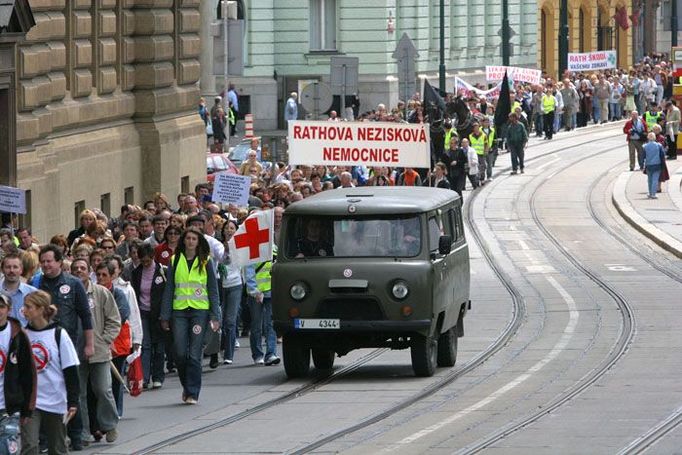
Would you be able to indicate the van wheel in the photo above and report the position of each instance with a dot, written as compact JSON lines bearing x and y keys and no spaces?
{"x":296,"y":357}
{"x":447,"y":348}
{"x":424,"y":351}
{"x":323,"y":359}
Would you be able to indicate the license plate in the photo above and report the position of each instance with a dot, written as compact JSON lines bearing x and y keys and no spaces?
{"x":317,"y":323}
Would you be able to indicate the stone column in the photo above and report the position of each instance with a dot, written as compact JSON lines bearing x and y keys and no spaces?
{"x":208,"y":12}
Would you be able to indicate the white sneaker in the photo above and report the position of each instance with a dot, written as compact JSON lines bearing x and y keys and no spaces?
{"x":157,"y":385}
{"x":236,"y":343}
{"x":259,"y":361}
{"x":191,"y":400}
{"x":272,"y":360}
{"x":227,"y":362}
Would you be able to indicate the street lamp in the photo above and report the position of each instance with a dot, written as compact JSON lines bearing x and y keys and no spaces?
{"x":563,"y":37}
{"x":441,"y":67}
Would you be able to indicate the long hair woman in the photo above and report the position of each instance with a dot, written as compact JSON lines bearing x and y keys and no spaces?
{"x":189,"y":302}
{"x":57,"y":366}
{"x":166,"y":249}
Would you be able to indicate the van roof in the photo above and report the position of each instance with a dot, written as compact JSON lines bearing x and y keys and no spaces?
{"x":373,"y":200}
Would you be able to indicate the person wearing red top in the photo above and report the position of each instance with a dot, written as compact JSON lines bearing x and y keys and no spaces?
{"x":635,"y":131}
{"x":166,"y":249}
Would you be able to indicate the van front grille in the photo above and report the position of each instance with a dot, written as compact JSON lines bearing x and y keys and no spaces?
{"x":354,"y":309}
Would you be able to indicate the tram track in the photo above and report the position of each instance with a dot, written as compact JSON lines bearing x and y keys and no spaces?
{"x":619,"y":349}
{"x":300,"y":391}
{"x":518,"y":313}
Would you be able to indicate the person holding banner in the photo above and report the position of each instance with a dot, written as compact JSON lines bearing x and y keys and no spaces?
{"x":231,"y":287}
{"x":190,"y":301}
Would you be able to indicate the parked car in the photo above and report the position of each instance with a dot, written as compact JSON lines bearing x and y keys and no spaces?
{"x":219,"y":162}
{"x":239,"y":152}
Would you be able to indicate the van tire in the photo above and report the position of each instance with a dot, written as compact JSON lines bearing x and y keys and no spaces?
{"x":323,"y":359}
{"x":424,"y":352}
{"x":296,"y":357}
{"x":447,"y":348}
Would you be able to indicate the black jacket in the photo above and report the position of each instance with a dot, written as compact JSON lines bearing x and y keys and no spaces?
{"x":20,"y":379}
{"x":158,"y":286}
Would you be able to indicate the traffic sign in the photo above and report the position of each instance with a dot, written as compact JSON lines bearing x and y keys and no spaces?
{"x":406,"y":53}
{"x":316,"y":98}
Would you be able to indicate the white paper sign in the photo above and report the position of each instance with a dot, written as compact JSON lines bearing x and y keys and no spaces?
{"x":231,"y":189}
{"x":515,"y":73}
{"x":362,"y":143}
{"x":588,"y":61}
{"x":12,"y":200}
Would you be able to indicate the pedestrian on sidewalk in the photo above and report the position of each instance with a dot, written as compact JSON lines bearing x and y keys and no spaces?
{"x":672,"y":122}
{"x":635,"y":131}
{"x":653,"y":160}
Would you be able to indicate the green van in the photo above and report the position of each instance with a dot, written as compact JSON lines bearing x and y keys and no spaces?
{"x":371,"y":267}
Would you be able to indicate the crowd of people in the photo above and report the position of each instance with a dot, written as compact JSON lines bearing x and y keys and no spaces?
{"x":158,"y":278}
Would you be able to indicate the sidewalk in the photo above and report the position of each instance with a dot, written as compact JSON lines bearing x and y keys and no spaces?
{"x":659,"y":219}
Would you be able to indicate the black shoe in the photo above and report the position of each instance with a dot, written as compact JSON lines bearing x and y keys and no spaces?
{"x":170,"y":368}
{"x":76,"y":446}
{"x":245,"y":333}
{"x":214,"y":361}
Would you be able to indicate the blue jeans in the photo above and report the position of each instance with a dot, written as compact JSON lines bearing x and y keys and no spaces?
{"x":189,"y":327}
{"x":153,"y":349}
{"x":517,"y":155}
{"x":230,"y":299}
{"x":596,"y":110}
{"x":615,"y":111}
{"x":653,"y":172}
{"x":261,"y":321}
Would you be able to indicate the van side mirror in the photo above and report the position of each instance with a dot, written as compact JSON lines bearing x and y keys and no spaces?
{"x":444,"y":244}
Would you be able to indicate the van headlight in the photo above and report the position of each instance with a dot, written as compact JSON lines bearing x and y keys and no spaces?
{"x":400,"y":290}
{"x":297,"y":291}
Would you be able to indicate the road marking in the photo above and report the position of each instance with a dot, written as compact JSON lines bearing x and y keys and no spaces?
{"x":558,"y":348}
{"x":620,"y":268}
{"x":524,"y":245}
{"x":552,"y":161}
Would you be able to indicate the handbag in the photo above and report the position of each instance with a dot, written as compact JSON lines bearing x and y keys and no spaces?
{"x":209,"y":127}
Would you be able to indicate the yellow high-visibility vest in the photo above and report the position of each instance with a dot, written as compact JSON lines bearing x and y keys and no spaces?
{"x":263,"y":279}
{"x":478,"y":143}
{"x":651,"y":120}
{"x":190,"y":285}
{"x":548,"y":103}
{"x":491,"y":137}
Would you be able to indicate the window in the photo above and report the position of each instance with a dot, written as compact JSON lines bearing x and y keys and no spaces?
{"x":184,"y":184}
{"x":129,"y":195}
{"x":434,"y":25}
{"x":78,"y":207}
{"x":385,"y":236}
{"x":450,"y":226}
{"x":105,"y":204}
{"x":435,"y":231}
{"x":322,"y":25}
{"x":666,"y":14}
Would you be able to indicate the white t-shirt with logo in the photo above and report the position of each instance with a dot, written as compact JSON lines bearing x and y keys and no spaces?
{"x":50,"y":360}
{"x":5,"y":338}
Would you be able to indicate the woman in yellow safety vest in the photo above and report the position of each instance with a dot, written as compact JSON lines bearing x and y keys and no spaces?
{"x":190,"y":300}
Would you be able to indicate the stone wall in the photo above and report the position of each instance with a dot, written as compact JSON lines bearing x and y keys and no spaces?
{"x":106,"y":100}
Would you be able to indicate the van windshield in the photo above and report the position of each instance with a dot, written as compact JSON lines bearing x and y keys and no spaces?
{"x":386,"y":236}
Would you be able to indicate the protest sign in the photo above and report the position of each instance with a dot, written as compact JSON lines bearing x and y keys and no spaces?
{"x":12,"y":200}
{"x":366,"y":143}
{"x":466,"y":90}
{"x":515,"y":73}
{"x":588,"y":61}
{"x":231,"y":189}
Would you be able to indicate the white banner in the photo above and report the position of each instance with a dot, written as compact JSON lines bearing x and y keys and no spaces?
{"x":466,"y":90}
{"x":589,"y":61}
{"x":12,"y":200}
{"x":361,"y":143}
{"x":231,"y":189}
{"x":515,"y":73}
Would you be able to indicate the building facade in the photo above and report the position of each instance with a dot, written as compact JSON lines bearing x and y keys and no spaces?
{"x":286,"y":43}
{"x":592,"y":27}
{"x":105,"y":106}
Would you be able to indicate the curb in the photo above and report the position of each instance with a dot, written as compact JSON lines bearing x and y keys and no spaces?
{"x":674,"y":190}
{"x":620,"y":201}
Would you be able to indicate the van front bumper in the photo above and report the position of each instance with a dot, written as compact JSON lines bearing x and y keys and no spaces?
{"x":360,"y":326}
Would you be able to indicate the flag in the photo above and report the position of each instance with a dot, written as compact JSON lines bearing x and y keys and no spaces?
{"x":621,"y":18}
{"x":432,"y":96}
{"x":634,"y":17}
{"x":503,"y":106}
{"x":253,"y":241}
